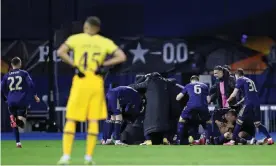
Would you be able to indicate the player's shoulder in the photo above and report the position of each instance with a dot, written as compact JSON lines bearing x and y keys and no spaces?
{"x":242,"y":79}
{"x":6,"y":76}
{"x":203,"y":84}
{"x":24,"y":72}
{"x":189,"y":85}
{"x":104,"y":39}
{"x":75,"y":36}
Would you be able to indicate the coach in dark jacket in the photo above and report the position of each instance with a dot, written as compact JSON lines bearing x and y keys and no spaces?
{"x":223,"y":87}
{"x":157,"y":113}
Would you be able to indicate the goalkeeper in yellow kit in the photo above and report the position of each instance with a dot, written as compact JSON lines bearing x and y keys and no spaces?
{"x":87,"y":98}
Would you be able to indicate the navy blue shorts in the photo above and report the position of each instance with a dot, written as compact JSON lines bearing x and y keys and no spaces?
{"x":191,"y":113}
{"x":18,"y":111}
{"x":250,"y":112}
{"x":113,"y":105}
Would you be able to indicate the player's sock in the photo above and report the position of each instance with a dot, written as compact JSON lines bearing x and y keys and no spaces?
{"x":263,"y":129}
{"x":110,"y":128}
{"x":16,"y":134}
{"x":68,"y":137}
{"x":182,"y":133}
{"x":219,"y":140}
{"x":147,"y":137}
{"x":208,"y":131}
{"x":117,"y":129}
{"x":91,"y":140}
{"x":237,"y":129}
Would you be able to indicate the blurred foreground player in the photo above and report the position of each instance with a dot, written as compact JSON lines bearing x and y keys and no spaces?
{"x":87,"y":98}
{"x":250,"y":110}
{"x":15,"y":87}
{"x":196,"y":106}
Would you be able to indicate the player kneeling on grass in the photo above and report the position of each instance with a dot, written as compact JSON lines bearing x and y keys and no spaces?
{"x":15,"y":87}
{"x":87,"y":98}
{"x":121,"y":100}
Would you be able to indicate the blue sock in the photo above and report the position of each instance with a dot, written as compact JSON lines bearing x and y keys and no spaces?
{"x":147,"y":137}
{"x":180,"y":130}
{"x":182,"y":134}
{"x":16,"y":134}
{"x":236,"y":131}
{"x":117,"y":129}
{"x":208,"y":130}
{"x":110,"y":128}
{"x":105,"y":130}
{"x":219,"y":140}
{"x":263,"y":129}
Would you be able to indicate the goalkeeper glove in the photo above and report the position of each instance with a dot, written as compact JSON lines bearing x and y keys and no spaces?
{"x":79,"y":73}
{"x":101,"y":70}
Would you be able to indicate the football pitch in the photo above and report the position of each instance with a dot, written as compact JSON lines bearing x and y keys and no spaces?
{"x":48,"y":153}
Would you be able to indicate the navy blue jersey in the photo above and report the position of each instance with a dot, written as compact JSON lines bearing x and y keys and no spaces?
{"x":123,"y":97}
{"x":198,"y":93}
{"x":16,"y":85}
{"x":248,"y":88}
{"x":126,"y":94}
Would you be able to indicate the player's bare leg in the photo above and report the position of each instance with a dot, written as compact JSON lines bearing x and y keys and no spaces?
{"x":68,"y":139}
{"x":92,"y":135}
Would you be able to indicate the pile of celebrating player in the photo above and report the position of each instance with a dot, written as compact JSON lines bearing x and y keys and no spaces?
{"x":156,"y":110}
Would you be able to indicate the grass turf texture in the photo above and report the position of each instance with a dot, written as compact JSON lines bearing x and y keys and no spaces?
{"x":48,"y":153}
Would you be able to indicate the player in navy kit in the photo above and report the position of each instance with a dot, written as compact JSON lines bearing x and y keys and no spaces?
{"x":196,"y":106}
{"x":15,"y":86}
{"x":121,"y":100}
{"x":251,"y":108}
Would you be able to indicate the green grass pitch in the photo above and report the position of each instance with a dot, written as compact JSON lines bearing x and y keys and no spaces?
{"x":48,"y":153}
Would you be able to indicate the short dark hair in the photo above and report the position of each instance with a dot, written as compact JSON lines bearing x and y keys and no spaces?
{"x":93,"y":21}
{"x":233,"y":112}
{"x":227,"y":67}
{"x":220,"y":68}
{"x":15,"y":61}
{"x":195,"y":78}
{"x":240,"y":72}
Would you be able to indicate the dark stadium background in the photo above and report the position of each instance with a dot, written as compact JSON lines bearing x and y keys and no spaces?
{"x":211,"y":30}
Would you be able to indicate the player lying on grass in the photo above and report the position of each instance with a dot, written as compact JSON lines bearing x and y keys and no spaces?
{"x":251,"y":108}
{"x":87,"y":99}
{"x":196,"y":106}
{"x":16,"y":85}
{"x":122,"y":100}
{"x":246,"y":135}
